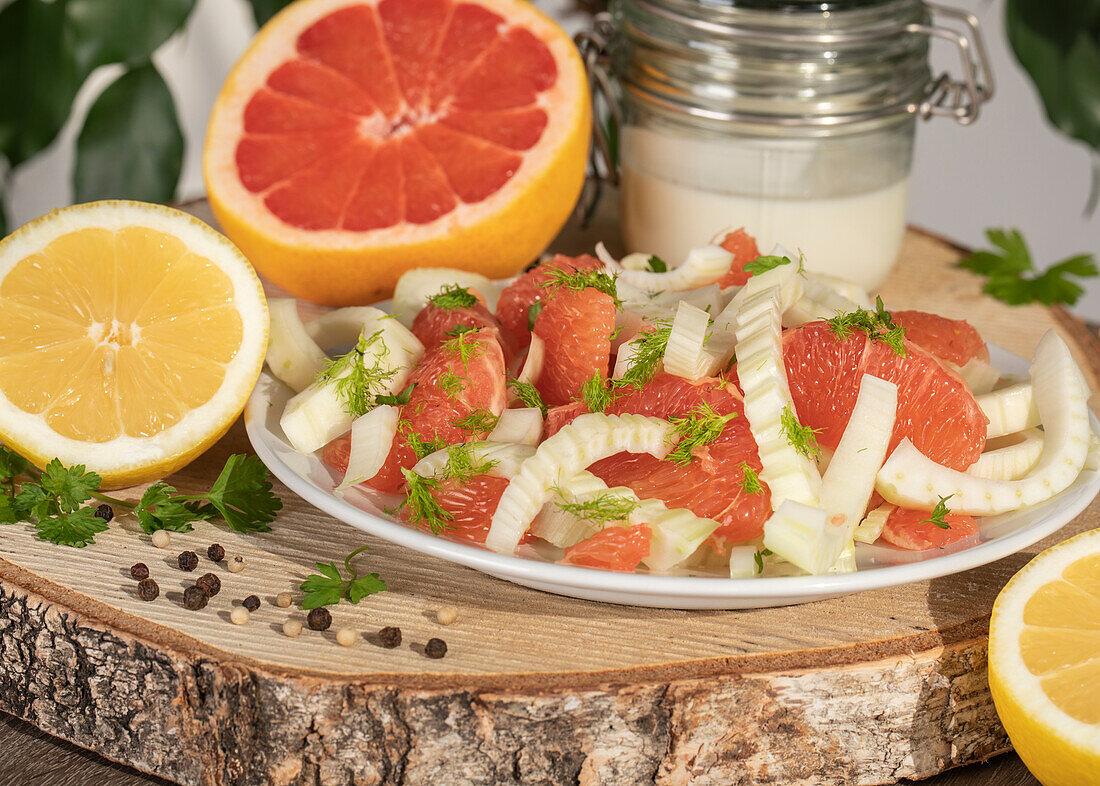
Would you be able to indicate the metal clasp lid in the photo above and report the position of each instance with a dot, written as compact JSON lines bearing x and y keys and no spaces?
{"x":958,"y":98}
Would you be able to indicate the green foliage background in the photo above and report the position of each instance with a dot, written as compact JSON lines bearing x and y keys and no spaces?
{"x":130,"y":144}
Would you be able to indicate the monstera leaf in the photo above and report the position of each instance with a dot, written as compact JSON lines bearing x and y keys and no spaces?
{"x":1058,"y":43}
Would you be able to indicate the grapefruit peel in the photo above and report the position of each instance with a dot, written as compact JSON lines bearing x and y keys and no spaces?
{"x":522,"y":425}
{"x":1010,"y":462}
{"x":319,"y":414}
{"x":910,"y":479}
{"x":589,"y":438}
{"x":371,"y":437}
{"x":756,"y":325}
{"x":1009,"y":410}
{"x":292,"y":354}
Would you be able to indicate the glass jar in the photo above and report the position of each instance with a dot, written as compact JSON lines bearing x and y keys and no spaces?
{"x":794,"y":120}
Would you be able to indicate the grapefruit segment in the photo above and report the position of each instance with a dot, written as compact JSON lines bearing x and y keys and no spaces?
{"x":359,"y":138}
{"x":911,"y":529}
{"x":521,"y":294}
{"x":936,"y":410}
{"x":615,"y":548}
{"x":955,"y":340}
{"x":575,"y":328}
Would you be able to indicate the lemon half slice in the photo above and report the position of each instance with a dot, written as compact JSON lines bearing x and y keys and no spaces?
{"x":130,"y":337}
{"x":1044,"y":662}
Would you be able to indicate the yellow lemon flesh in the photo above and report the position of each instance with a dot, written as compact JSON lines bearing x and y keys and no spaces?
{"x":1044,"y":662}
{"x":130,"y":338}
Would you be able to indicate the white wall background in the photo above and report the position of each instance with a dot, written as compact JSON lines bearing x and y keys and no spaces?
{"x":1010,"y":169}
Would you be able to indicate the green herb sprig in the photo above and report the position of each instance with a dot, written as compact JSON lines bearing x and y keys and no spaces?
{"x":578,"y":280}
{"x":879,"y":326}
{"x":422,"y":505}
{"x":596,"y":394}
{"x":699,"y":427}
{"x":649,"y":351}
{"x":1011,"y":276}
{"x":801,"y":438}
{"x":358,"y":379}
{"x":750,"y":481}
{"x":938,"y":516}
{"x":656,"y":265}
{"x":477,"y":422}
{"x":528,"y":394}
{"x":765,"y":263}
{"x":600,"y":508}
{"x":452,"y":297}
{"x":328,"y":588}
{"x":53,"y":500}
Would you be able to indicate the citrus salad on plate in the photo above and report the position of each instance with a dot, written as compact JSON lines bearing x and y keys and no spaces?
{"x":733,"y":414}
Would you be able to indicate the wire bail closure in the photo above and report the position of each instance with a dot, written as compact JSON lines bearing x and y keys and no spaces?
{"x":944,"y":96}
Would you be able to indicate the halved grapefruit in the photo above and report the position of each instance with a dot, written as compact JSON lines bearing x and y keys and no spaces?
{"x":356,"y":139}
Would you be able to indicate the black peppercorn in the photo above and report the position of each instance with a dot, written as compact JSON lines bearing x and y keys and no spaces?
{"x":195,"y":598}
{"x":148,"y":589}
{"x":435,"y":648}
{"x":252,"y":603}
{"x":211,"y":583}
{"x":319,"y":619}
{"x":139,"y":571}
{"x":188,"y":560}
{"x":216,"y":553}
{"x":105,"y":512}
{"x":389,"y":637}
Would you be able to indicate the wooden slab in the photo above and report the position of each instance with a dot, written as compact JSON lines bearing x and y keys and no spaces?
{"x":535,"y":688}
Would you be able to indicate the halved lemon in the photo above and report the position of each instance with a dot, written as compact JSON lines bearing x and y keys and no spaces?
{"x":130,"y":337}
{"x":1044,"y":662}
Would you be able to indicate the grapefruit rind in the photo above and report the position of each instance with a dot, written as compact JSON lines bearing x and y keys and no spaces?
{"x":1009,"y":410}
{"x":756,"y":326}
{"x":1010,"y":462}
{"x":910,"y":479}
{"x":127,"y":460}
{"x":372,"y":434}
{"x":341,"y":267}
{"x":318,"y":414}
{"x":292,"y":354}
{"x":587,"y":439}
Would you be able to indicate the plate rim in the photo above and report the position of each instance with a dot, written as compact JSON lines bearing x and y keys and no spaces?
{"x":638,"y":588}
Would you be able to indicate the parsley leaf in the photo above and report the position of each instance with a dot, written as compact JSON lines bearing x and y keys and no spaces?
{"x":533,"y":312}
{"x":399,"y":400}
{"x":69,"y":486}
{"x":242,"y":495}
{"x":11,"y":464}
{"x":938,"y":516}
{"x":528,"y":394}
{"x":329,"y":587}
{"x":656,"y":265}
{"x":453,"y":296}
{"x":699,"y":427}
{"x":1012,"y":278}
{"x":75,"y":528}
{"x":158,"y":510}
{"x":765,"y":263}
{"x":801,"y":438}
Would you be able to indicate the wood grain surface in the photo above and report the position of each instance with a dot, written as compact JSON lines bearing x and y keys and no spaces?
{"x":868,"y":688}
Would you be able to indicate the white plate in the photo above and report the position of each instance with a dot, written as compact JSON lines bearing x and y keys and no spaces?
{"x":879,"y":566}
